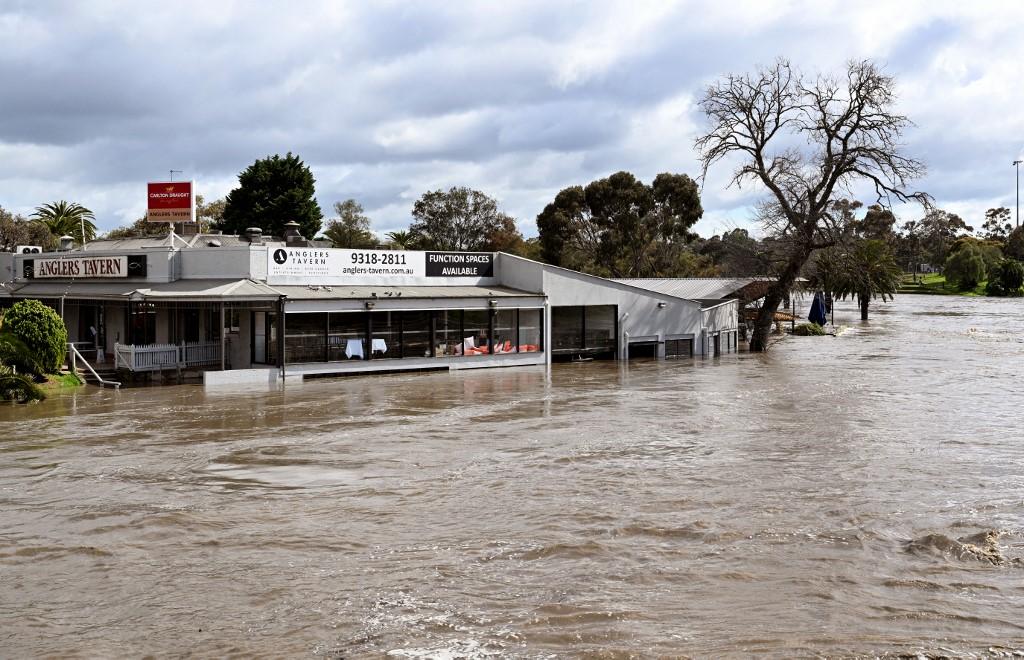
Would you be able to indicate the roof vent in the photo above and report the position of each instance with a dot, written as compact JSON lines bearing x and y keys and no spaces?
{"x":66,"y":243}
{"x":254,"y":235}
{"x":292,"y":237}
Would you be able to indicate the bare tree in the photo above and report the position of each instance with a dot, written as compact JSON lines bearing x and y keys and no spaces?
{"x":807,"y":143}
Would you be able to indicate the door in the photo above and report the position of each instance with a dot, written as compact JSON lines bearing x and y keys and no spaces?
{"x":259,"y":337}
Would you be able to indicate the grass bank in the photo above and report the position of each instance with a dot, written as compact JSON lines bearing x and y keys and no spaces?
{"x":935,"y":284}
{"x":61,"y":381}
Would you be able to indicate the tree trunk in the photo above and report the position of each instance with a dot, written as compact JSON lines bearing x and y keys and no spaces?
{"x":864,"y":300}
{"x":775,"y":295}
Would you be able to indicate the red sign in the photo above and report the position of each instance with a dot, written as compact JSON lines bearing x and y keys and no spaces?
{"x":170,"y":201}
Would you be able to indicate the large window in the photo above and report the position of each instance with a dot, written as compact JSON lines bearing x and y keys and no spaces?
{"x":531,"y":330}
{"x":506,"y":327}
{"x":476,"y":338}
{"x":449,"y":333}
{"x":566,"y":328}
{"x":387,"y":335}
{"x":346,"y":336}
{"x":589,"y":329}
{"x":305,"y":337}
{"x":340,"y":336}
{"x":416,"y":334}
{"x":599,"y":322}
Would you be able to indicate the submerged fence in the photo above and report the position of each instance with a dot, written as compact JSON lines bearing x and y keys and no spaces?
{"x":156,"y":357}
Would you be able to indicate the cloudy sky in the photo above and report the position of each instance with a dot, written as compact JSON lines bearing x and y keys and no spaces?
{"x":387,"y":100}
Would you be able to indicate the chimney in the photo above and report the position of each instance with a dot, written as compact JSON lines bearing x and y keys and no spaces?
{"x":292,"y":237}
{"x":253,"y":235}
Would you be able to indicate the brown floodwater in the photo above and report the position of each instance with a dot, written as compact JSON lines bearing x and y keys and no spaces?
{"x":851,"y":495}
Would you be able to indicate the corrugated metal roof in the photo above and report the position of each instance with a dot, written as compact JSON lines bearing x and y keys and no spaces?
{"x":195,"y":242}
{"x":340,"y":292}
{"x":179,"y":290}
{"x":694,"y":288}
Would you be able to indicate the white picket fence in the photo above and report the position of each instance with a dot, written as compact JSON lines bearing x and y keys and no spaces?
{"x":156,"y":357}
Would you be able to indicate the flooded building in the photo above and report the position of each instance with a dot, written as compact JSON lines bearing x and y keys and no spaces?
{"x":248,"y":309}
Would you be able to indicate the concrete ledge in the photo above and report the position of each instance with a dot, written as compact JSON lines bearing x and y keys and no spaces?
{"x":265,"y":376}
{"x":414,"y":364}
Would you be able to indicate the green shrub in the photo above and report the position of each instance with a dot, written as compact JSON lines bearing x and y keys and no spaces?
{"x":40,"y":331}
{"x":965,"y":267}
{"x":18,"y":387}
{"x":13,"y":352}
{"x":809,"y":330}
{"x":1007,"y":279}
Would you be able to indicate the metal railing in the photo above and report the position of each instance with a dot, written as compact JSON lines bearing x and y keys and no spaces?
{"x":157,"y":357}
{"x":75,"y":356}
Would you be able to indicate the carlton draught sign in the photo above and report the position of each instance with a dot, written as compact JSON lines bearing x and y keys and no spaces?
{"x":170,"y":201}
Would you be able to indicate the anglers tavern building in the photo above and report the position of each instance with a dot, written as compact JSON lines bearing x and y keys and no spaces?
{"x":245,"y":309}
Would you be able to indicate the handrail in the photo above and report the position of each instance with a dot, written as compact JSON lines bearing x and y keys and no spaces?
{"x":73,"y":350}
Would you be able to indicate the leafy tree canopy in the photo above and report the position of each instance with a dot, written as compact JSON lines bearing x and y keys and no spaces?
{"x":16,"y":230}
{"x":621,"y":227}
{"x":67,"y":219}
{"x":997,"y":225}
{"x":966,"y":267}
{"x":1006,"y":279}
{"x":866,"y":269}
{"x":937,"y":231}
{"x":1015,"y":244}
{"x":351,"y":229}
{"x":272,"y":192}
{"x":460,"y":219}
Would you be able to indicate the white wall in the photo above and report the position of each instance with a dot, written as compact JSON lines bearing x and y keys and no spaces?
{"x":721,"y":318}
{"x":217,"y":263}
{"x":518,"y":273}
{"x":646,"y":318}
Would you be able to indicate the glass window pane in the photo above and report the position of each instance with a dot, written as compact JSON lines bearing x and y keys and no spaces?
{"x":347,"y":336}
{"x":475,"y":338}
{"x":415,"y":334}
{"x":305,"y":337}
{"x":387,"y":340}
{"x":531,"y":330}
{"x":566,"y":328}
{"x":449,"y":333}
{"x":505,"y":322}
{"x":600,"y":324}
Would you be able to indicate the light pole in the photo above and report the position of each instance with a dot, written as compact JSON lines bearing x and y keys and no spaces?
{"x":1016,"y":164}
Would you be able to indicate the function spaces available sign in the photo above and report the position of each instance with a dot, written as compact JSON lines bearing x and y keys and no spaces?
{"x":170,"y":201}
{"x":332,"y":267}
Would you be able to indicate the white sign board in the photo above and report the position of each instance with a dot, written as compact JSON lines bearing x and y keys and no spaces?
{"x":336,"y":267}
{"x":80,"y":267}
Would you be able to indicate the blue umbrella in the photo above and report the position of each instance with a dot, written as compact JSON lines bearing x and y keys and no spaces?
{"x":817,"y":314}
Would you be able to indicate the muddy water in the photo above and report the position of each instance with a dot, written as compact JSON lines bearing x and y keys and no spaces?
{"x":839,"y":496}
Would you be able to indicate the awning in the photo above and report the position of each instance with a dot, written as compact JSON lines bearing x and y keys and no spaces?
{"x":340,"y":292}
{"x":181,"y":290}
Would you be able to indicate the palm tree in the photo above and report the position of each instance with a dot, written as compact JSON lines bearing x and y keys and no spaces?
{"x":402,"y":239}
{"x":67,"y":218}
{"x":870,"y":272}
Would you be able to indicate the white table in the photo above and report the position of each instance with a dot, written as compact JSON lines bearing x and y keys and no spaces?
{"x":379,"y":345}
{"x":354,"y":347}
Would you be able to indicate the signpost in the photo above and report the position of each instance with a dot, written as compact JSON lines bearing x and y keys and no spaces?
{"x":170,"y":201}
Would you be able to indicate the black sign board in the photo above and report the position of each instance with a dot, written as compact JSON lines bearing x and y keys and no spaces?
{"x":136,"y":267}
{"x":460,"y":264}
